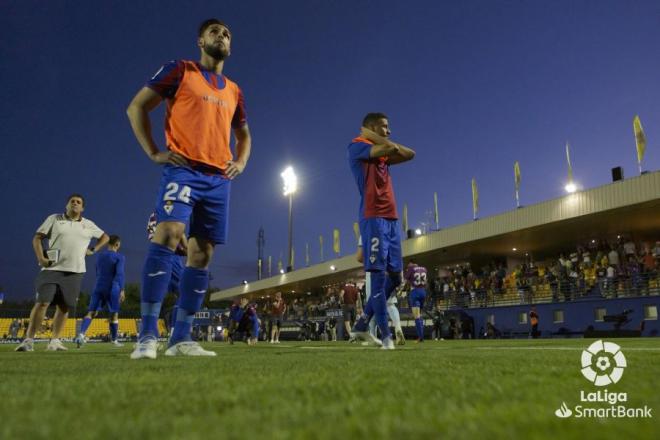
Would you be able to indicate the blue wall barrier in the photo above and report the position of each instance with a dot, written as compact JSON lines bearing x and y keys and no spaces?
{"x":578,"y":315}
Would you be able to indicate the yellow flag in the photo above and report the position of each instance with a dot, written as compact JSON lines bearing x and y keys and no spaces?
{"x":270,"y":265}
{"x":335,"y":241}
{"x":405,"y":219}
{"x":640,"y":140}
{"x":321,"y":246}
{"x":568,"y":160}
{"x":516,"y":175}
{"x":475,"y":198}
{"x":306,"y":254}
{"x":356,"y":231}
{"x":435,"y":210}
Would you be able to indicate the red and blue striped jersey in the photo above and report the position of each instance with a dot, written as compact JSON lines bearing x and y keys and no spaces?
{"x":373,"y":179}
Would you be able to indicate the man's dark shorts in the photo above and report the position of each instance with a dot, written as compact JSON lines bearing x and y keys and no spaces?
{"x":57,"y":287}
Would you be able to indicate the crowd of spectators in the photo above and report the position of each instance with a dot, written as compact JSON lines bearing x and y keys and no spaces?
{"x":620,"y":268}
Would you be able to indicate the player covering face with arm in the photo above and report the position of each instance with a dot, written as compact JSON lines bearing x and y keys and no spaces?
{"x":370,"y":155}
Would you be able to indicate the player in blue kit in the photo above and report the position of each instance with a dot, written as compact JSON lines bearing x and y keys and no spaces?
{"x":204,"y":110}
{"x":243,"y":320}
{"x":416,"y":278}
{"x":370,"y":156}
{"x":108,"y":292}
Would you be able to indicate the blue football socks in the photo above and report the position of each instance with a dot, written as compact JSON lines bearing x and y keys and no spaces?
{"x":114,"y":328}
{"x":155,"y":279}
{"x":85,"y":325}
{"x":194,"y":283}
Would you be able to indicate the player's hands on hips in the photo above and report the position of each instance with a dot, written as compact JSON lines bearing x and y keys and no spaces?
{"x":44,"y":262}
{"x":234,"y":169}
{"x":122,"y":296}
{"x":252,"y":341}
{"x":165,"y":157}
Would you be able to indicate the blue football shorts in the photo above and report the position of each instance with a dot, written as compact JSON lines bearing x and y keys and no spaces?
{"x":381,"y":244}
{"x":417,"y":297}
{"x":105,"y":298}
{"x":197,"y":199}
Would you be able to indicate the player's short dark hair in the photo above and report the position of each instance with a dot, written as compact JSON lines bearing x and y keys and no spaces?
{"x":114,"y":239}
{"x":206,"y":23}
{"x":372,"y":118}
{"x":68,"y":199}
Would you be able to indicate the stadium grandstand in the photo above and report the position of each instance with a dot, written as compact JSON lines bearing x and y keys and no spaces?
{"x":128,"y":328}
{"x":552,"y":255}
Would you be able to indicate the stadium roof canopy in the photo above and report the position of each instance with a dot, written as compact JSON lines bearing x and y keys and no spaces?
{"x":629,"y":207}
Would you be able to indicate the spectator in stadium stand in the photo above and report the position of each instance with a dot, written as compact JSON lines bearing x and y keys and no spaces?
{"x":610,"y":283}
{"x":629,"y":248}
{"x":613,"y":257}
{"x":332,"y":329}
{"x":348,"y":296}
{"x":649,"y":262}
{"x":62,"y":267}
{"x":534,"y":321}
{"x":277,"y":310}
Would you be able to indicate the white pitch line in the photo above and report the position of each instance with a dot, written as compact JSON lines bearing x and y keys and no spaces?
{"x":564,"y":348}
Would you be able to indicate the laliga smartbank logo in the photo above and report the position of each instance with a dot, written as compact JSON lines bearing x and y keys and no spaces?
{"x":603,"y":364}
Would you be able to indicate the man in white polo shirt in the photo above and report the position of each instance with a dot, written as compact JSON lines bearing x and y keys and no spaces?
{"x":62,"y":267}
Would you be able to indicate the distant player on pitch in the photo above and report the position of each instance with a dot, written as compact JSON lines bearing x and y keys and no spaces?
{"x":416,"y":278}
{"x":243,"y":322}
{"x":370,"y":156}
{"x":108,"y":291}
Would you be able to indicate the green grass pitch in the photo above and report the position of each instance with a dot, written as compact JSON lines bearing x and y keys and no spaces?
{"x":506,"y":389}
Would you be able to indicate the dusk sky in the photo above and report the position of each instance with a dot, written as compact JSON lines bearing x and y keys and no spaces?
{"x":472,"y":86}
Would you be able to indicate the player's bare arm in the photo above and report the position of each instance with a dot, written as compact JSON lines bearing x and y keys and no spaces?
{"x":138,"y":114}
{"x":384,"y":147}
{"x":39,"y":250}
{"x":243,"y":149}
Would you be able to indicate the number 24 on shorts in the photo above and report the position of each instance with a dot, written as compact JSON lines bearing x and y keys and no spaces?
{"x":172,"y":190}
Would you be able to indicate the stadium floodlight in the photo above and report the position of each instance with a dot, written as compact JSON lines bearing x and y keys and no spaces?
{"x":245,"y":282}
{"x":290,"y":181}
{"x":290,"y":187}
{"x":281,"y":271}
{"x":333,"y":267}
{"x":570,"y":188}
{"x":514,"y":249}
{"x":418,"y":232}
